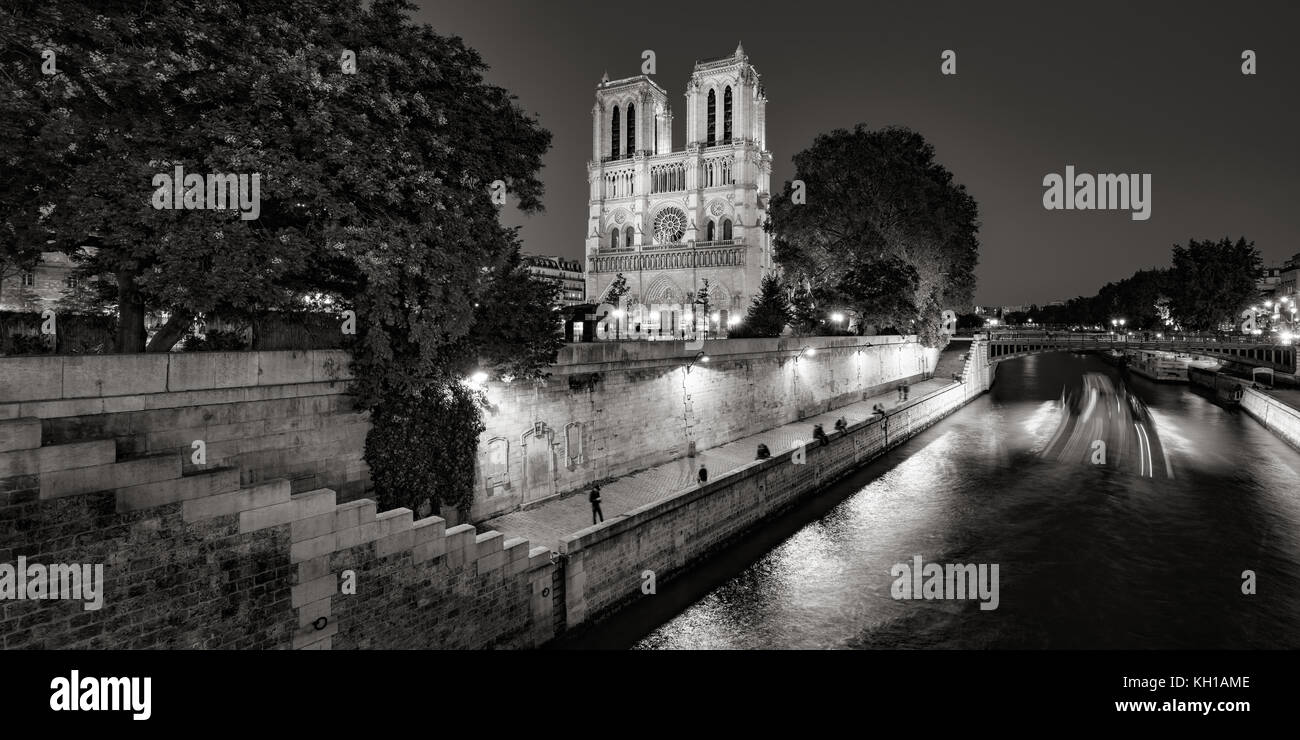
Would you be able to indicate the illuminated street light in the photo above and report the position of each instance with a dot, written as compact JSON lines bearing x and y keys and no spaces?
{"x":837,"y":317}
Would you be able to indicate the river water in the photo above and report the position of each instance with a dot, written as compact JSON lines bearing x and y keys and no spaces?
{"x":1145,"y":550}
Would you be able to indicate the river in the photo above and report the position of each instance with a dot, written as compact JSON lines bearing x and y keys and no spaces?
{"x":1145,"y":550}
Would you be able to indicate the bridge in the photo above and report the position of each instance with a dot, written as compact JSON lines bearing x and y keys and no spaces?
{"x":1245,"y":350}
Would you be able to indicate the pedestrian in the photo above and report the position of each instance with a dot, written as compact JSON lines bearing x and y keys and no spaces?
{"x":638,"y":328}
{"x":763,"y":452}
{"x":841,"y":426}
{"x":820,"y":435}
{"x":704,"y":474}
{"x":905,"y":390}
{"x":596,"y":514}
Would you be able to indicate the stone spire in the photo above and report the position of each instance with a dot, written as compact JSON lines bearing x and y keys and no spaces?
{"x":740,"y":50}
{"x":604,"y":77}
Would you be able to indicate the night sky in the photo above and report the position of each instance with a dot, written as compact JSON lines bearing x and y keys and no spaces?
{"x":1109,"y":88}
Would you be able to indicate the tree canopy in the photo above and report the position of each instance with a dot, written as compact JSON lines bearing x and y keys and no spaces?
{"x":374,"y":180}
{"x":885,"y":231}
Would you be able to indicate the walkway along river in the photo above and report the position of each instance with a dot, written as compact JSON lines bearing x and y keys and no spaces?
{"x":1145,"y":552}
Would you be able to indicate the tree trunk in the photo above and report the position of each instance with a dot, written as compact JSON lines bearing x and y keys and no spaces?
{"x":171,"y":332}
{"x":130,"y":314}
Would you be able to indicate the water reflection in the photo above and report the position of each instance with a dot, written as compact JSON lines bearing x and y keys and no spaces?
{"x":1091,"y":556}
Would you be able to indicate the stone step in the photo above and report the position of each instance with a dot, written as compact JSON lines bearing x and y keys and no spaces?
{"x":54,"y":458}
{"x":20,"y":434}
{"x":110,"y":477}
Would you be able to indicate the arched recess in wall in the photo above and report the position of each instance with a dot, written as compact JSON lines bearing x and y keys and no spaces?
{"x":496,"y":471}
{"x":574,"y":454}
{"x":662,"y":290}
{"x":538,"y":454}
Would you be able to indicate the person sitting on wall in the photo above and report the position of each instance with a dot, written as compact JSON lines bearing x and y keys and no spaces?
{"x":820,"y":435}
{"x":704,"y":474}
{"x":878,"y":411}
{"x":841,"y":426}
{"x":763,"y":452}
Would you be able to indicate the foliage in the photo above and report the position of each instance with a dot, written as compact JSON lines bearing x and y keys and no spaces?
{"x":30,"y":344}
{"x":702,"y":300}
{"x":881,"y":217}
{"x":1208,"y":285}
{"x":216,"y":340}
{"x":374,"y":188}
{"x":1213,"y":281}
{"x":425,"y":449}
{"x":769,"y":312}
{"x":617,"y":289}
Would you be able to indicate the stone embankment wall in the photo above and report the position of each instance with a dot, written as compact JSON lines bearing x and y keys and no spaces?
{"x":603,"y":564}
{"x":264,"y":541}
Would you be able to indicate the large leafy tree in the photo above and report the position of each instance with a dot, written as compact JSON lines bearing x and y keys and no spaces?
{"x":374,"y":186}
{"x":1212,"y":281}
{"x":880,"y":215}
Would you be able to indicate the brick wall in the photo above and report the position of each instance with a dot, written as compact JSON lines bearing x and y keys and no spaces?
{"x":252,"y":549}
{"x":603,"y":563}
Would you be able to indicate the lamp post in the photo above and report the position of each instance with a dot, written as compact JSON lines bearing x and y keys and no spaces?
{"x":618,"y":323}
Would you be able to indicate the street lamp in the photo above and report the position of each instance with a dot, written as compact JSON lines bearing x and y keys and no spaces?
{"x":618,"y":323}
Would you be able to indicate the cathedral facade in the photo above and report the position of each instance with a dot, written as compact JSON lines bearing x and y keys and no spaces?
{"x":668,"y":219}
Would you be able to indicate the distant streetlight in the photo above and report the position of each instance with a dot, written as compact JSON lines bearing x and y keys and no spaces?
{"x":618,"y":323}
{"x":837,"y":317}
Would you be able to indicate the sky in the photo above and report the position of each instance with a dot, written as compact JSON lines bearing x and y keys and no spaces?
{"x":1108,"y":87}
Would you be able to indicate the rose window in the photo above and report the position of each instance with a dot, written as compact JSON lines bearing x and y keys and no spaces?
{"x":670,"y":226}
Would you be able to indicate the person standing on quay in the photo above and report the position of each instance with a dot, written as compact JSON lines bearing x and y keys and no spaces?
{"x":905,"y":390}
{"x":596,"y":514}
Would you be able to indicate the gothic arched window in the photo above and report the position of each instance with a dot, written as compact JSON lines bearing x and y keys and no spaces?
{"x":613,"y":238}
{"x":713,"y":117}
{"x":627,"y":236}
{"x":631,"y":129}
{"x":614,"y":139}
{"x":726,"y":114}
{"x":708,"y":232}
{"x":726,"y":228}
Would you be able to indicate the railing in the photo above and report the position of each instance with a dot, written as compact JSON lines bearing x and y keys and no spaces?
{"x":669,"y":259}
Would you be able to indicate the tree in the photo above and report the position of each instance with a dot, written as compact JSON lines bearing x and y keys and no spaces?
{"x":616,"y":290}
{"x":374,"y":186}
{"x":880,"y":215}
{"x":769,"y":312}
{"x":614,"y":296}
{"x":1212,"y":281}
{"x":702,"y":300}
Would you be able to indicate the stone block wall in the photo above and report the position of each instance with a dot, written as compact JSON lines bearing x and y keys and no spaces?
{"x":266,"y":414}
{"x":603,"y":563}
{"x":197,"y":560}
{"x":1280,"y":418}
{"x":609,"y":409}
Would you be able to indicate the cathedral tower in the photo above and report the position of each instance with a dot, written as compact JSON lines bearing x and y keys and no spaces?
{"x":670,"y":219}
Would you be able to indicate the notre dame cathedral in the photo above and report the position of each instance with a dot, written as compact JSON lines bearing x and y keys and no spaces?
{"x":668,"y":218}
